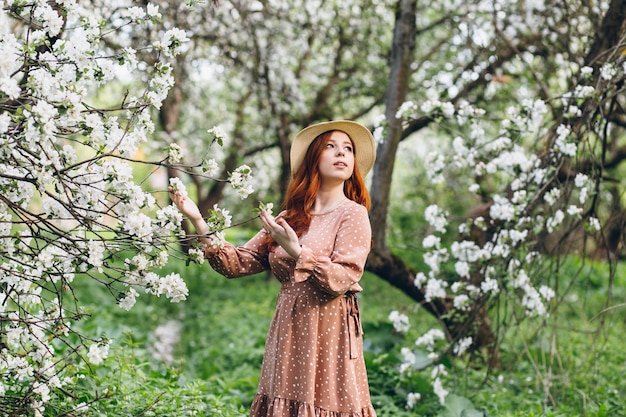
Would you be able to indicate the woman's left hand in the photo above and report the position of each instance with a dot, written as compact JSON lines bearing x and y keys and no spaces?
{"x":282,"y":233}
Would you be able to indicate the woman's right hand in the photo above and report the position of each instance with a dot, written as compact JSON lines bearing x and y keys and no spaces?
{"x":186,"y":205}
{"x":190,"y":209}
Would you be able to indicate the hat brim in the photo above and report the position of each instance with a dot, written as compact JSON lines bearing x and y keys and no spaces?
{"x":364,"y":145}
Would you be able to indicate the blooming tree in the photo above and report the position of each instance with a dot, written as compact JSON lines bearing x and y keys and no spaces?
{"x":70,"y":206}
{"x":524,"y":138}
{"x":274,"y":68}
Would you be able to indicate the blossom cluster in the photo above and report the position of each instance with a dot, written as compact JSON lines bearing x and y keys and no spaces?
{"x":526,"y":200}
{"x":527,"y":176}
{"x":70,"y":206}
{"x":218,"y":220}
{"x":400,"y":321}
{"x":240,"y":180}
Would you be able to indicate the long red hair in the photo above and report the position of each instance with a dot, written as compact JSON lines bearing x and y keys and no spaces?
{"x":305,"y":184}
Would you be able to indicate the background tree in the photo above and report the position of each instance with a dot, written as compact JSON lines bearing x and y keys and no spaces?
{"x":526,"y":107}
{"x":273,"y":68}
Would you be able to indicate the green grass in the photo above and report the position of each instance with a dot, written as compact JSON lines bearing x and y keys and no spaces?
{"x":564,"y":370}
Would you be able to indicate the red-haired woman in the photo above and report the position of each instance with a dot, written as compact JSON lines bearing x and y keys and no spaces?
{"x":317,"y":248}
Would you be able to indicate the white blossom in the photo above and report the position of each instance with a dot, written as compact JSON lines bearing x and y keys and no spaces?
{"x":436,"y":218}
{"x":502,"y":209}
{"x":166,"y":337}
{"x":98,"y":353}
{"x":435,"y":165}
{"x":420,"y":279}
{"x":546,"y":292}
{"x":210,"y":167}
{"x":462,"y":345}
{"x":400,"y":321}
{"x":129,"y":299}
{"x":521,"y":280}
{"x":412,"y":399}
{"x":408,"y":359}
{"x":583,"y":195}
{"x":555,"y":221}
{"x":138,"y":224}
{"x":447,"y":109}
{"x":586,"y":70}
{"x":178,"y":186}
{"x":96,"y":252}
{"x":461,"y":302}
{"x":43,"y":390}
{"x":552,"y":196}
{"x":462,"y":268}
{"x":431,"y":241}
{"x":490,"y":285}
{"x":466,"y":250}
{"x":172,"y":42}
{"x":594,"y":223}
{"x":240,"y":180}
{"x":518,"y":236}
{"x":174,"y":153}
{"x":406,"y":110}
{"x":196,"y":255}
{"x":219,"y":219}
{"x":608,"y":71}
{"x":584,"y":91}
{"x":152,"y":10}
{"x":429,"y":338}
{"x":435,"y":258}
{"x":51,"y":20}
{"x":10,"y":87}
{"x":561,"y":145}
{"x":573,"y":210}
{"x":533,"y":303}
{"x":135,"y":13}
{"x":218,"y":134}
{"x":217,"y":239}
{"x":173,"y":287}
{"x":139,"y":261}
{"x":440,"y":391}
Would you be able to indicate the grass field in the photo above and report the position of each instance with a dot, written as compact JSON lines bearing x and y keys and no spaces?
{"x":209,"y":349}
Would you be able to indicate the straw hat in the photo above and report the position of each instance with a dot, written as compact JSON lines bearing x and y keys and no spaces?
{"x":364,"y":146}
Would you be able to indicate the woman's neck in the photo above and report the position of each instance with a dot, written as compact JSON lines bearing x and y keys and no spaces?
{"x":328,"y":200}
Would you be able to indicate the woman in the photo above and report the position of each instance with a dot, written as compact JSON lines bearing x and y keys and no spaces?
{"x":317,"y":248}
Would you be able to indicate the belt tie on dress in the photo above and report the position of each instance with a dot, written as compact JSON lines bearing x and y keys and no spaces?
{"x":354,"y":323}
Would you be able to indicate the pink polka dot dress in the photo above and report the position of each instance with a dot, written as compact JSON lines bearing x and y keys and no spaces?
{"x":313,"y":364}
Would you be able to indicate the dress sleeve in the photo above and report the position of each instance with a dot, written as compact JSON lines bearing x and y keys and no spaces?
{"x":342,"y":270}
{"x":238,"y":261}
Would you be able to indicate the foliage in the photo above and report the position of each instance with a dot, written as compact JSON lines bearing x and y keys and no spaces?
{"x":217,"y":348}
{"x":129,"y":384}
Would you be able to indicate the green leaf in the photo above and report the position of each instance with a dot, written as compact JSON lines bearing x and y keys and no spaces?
{"x":457,"y":406}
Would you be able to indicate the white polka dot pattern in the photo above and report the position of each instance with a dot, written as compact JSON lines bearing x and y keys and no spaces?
{"x":313,"y":364}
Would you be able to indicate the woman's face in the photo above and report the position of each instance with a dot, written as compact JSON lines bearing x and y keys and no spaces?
{"x":337,"y":158}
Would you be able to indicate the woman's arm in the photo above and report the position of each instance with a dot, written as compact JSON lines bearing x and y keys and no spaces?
{"x":342,"y":270}
{"x":227,"y":260}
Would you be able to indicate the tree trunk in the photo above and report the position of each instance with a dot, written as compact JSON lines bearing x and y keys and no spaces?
{"x":402,"y":55}
{"x":609,"y":34}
